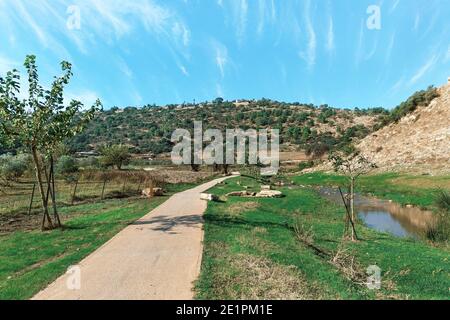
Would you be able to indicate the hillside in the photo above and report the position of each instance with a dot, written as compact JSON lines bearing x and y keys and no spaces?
{"x":421,"y":139}
{"x":315,"y":129}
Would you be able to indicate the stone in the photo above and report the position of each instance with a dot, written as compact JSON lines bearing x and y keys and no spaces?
{"x":269,"y":194}
{"x":266,"y":187}
{"x":208,"y":197}
{"x":157,"y":192}
{"x":241,"y":194}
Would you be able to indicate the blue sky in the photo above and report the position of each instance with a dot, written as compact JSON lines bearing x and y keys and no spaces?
{"x":149,"y":51}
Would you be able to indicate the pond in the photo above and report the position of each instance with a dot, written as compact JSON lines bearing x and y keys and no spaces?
{"x":386,"y":216}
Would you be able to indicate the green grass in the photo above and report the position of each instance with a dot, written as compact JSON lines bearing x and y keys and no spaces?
{"x":404,"y":189}
{"x":29,"y":261}
{"x":263,"y":229}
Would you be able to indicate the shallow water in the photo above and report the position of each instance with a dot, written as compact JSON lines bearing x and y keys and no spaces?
{"x":386,"y":216}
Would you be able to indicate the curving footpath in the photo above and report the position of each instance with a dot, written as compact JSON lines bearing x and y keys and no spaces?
{"x":157,"y":257}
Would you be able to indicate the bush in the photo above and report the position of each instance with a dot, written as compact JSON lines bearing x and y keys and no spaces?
{"x":14,"y":167}
{"x":442,"y":200}
{"x":440,"y":230}
{"x":305,"y":165}
{"x":66,"y":165}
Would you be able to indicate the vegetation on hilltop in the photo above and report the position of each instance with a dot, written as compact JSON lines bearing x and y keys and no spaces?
{"x":316,"y":129}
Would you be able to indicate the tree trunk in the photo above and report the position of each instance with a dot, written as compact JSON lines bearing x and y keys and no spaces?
{"x":53,"y":193}
{"x":352,"y":206}
{"x":44,"y":199}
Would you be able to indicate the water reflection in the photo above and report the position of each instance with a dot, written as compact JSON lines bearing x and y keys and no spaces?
{"x":385,"y":216}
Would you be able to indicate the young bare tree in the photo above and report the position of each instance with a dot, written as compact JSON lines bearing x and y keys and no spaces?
{"x":352,"y":166}
{"x":41,"y":123}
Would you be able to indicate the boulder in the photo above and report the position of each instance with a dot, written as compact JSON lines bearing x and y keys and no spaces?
{"x":268,"y":187}
{"x":269,"y":194}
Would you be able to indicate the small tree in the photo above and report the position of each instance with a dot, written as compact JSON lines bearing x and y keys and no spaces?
{"x":115,"y":156}
{"x":41,"y":123}
{"x":352,"y":166}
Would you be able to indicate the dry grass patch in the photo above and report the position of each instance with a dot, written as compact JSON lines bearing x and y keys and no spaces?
{"x":425,"y":182}
{"x":240,"y":207}
{"x":262,"y":279}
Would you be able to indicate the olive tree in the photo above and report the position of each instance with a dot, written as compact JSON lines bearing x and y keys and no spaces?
{"x":352,"y":166}
{"x":40,"y":123}
{"x":115,"y":156}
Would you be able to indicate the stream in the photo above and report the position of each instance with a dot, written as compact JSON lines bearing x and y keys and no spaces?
{"x":386,"y":216}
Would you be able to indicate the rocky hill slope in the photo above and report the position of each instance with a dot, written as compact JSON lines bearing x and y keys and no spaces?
{"x":420,"y":140}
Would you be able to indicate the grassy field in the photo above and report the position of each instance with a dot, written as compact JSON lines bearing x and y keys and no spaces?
{"x":29,"y":260}
{"x":252,"y":250}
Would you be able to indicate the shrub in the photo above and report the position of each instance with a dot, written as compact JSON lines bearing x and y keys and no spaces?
{"x":66,"y":165}
{"x":304,"y":234}
{"x":14,"y":167}
{"x":305,"y":165}
{"x":440,"y":230}
{"x":442,"y":200}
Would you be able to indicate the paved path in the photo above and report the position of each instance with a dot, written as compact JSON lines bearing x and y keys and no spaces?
{"x":157,"y":257}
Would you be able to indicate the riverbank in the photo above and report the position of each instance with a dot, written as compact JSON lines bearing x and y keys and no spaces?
{"x":403,"y":189}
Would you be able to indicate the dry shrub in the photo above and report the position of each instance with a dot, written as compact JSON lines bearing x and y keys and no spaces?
{"x":304,"y":234}
{"x":344,"y":260}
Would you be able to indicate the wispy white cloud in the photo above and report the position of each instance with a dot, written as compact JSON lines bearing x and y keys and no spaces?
{"x":310,"y":54}
{"x":220,"y":56}
{"x":330,"y":35}
{"x":181,"y":32}
{"x":266,"y":11}
{"x":390,"y":48}
{"x":416,"y":22}
{"x":424,"y":69}
{"x":359,"y":48}
{"x":361,"y":53}
{"x":184,"y":70}
{"x":242,"y":24}
{"x":124,"y":68}
{"x":394,"y":6}
{"x":108,"y":21}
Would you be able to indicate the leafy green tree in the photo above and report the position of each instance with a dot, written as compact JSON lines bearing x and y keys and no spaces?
{"x":115,"y":156}
{"x":40,"y":123}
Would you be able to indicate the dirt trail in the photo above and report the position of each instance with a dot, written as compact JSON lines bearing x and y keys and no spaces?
{"x":157,"y":257}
